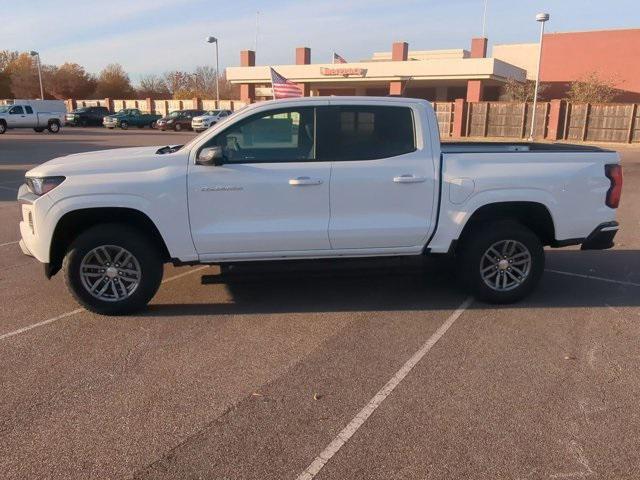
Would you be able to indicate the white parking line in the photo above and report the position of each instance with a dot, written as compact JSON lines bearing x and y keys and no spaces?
{"x":592,"y":277}
{"x":78,"y":310}
{"x":347,"y":432}
{"x":9,"y":188}
{"x":9,"y":243}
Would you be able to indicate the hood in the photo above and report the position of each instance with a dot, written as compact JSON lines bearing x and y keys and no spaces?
{"x":102,"y":161}
{"x":205,"y":117}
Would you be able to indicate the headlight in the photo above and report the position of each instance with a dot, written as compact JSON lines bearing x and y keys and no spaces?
{"x":41,"y":185}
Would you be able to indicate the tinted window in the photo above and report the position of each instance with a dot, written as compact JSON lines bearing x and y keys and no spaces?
{"x":16,"y":110}
{"x":285,"y":135}
{"x":28,"y":109}
{"x":365,"y":133}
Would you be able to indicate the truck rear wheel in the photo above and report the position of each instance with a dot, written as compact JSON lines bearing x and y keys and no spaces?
{"x":501,"y":262}
{"x":112,"y":270}
{"x":3,"y":127}
{"x":53,"y":127}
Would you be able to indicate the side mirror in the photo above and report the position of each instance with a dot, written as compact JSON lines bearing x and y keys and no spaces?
{"x":210,"y":156}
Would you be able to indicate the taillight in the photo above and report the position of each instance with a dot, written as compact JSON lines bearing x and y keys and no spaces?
{"x":614,"y":174}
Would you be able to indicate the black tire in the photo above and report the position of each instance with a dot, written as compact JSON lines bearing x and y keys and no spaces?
{"x":143,"y":252}
{"x":471,"y":261}
{"x":84,"y":122}
{"x":124,"y":125}
{"x":177,"y":127}
{"x":3,"y":127}
{"x":53,"y":127}
{"x":38,"y":129}
{"x":152,"y":125}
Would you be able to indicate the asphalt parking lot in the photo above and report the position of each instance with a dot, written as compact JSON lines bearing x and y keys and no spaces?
{"x":378,"y":376}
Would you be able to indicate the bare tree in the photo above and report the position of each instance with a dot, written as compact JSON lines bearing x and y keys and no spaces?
{"x":153,"y":86}
{"x":516,"y":91}
{"x":592,"y":89}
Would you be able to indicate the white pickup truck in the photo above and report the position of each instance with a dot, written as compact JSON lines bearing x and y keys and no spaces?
{"x":36,"y":114}
{"x":315,"y":178}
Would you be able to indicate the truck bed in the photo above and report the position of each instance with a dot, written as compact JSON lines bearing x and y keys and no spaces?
{"x":499,"y":147}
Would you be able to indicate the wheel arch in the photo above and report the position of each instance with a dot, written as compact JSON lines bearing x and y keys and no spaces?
{"x":73,"y":223}
{"x":533,"y":215}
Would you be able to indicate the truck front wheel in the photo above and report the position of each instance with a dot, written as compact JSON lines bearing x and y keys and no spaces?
{"x":112,"y":270}
{"x":3,"y":127}
{"x":501,"y":262}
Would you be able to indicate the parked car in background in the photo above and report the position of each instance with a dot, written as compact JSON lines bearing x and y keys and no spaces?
{"x":208,"y":119}
{"x":316,"y":178}
{"x":130,"y":117}
{"x":86,"y":116}
{"x":178,"y":120}
{"x":36,"y":114}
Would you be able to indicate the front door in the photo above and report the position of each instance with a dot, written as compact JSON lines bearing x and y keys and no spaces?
{"x":269,"y":195}
{"x":383,"y":186}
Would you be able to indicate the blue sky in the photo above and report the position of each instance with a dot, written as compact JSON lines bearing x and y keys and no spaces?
{"x":153,"y":36}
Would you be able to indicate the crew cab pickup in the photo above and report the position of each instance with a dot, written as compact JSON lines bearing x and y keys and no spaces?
{"x":315,"y":178}
{"x":36,"y":114}
{"x":130,"y":117}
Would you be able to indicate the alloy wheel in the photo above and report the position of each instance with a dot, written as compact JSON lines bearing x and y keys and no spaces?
{"x":505,"y":265}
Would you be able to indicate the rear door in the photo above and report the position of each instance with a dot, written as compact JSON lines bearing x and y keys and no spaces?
{"x":270,"y":195}
{"x":383,"y":186}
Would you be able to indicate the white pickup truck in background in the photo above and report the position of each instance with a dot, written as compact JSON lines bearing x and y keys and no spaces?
{"x":36,"y":114}
{"x":315,"y":178}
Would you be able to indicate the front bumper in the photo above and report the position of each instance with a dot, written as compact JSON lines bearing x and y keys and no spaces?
{"x":602,"y":237}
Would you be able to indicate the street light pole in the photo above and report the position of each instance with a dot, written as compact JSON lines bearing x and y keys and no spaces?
{"x":542,"y":18}
{"x":37,"y":55}
{"x":484,"y":20}
{"x":215,"y":40}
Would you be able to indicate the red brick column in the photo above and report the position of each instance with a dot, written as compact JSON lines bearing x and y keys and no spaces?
{"x":399,"y":53}
{"x":554,"y":131}
{"x":150,"y":105}
{"x":459,"y":118}
{"x":197,"y":103}
{"x":109,"y":104}
{"x":475,"y":87}
{"x":303,"y":57}
{"x":71,"y":104}
{"x":474,"y":91}
{"x":478,"y":47}
{"x":247,"y":90}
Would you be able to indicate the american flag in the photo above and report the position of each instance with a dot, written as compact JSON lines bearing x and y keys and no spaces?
{"x":283,"y":88}
{"x":338,"y":59}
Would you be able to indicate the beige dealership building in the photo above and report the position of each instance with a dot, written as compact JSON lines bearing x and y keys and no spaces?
{"x":438,"y":75}
{"x":446,"y":75}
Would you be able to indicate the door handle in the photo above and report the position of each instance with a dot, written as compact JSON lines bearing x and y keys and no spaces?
{"x":406,"y":178}
{"x":300,"y":181}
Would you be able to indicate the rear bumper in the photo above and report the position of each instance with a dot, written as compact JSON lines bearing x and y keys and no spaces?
{"x":602,"y":237}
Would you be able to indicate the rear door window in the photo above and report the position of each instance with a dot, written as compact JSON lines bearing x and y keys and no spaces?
{"x":28,"y":109}
{"x":365,"y":132}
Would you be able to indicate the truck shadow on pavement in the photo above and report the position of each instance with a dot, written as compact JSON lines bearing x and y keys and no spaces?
{"x":427,"y":285}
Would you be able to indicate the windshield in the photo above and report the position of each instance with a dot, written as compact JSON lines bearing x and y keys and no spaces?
{"x":5,"y":108}
{"x":213,"y":112}
{"x":175,"y":114}
{"x":80,"y":110}
{"x":122,"y":111}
